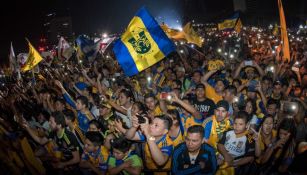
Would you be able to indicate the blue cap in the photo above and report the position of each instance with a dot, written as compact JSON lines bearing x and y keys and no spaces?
{"x":81,"y":85}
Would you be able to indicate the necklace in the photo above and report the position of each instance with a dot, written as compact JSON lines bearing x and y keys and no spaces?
{"x":193,"y":157}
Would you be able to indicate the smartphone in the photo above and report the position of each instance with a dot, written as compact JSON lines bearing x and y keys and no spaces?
{"x":141,"y":118}
{"x":164,"y":95}
{"x":248,"y":63}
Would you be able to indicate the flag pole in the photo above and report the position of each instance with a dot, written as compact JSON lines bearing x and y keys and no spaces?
{"x":195,"y":50}
{"x":33,"y":76}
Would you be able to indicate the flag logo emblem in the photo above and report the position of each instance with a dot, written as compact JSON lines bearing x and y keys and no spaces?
{"x":140,"y":42}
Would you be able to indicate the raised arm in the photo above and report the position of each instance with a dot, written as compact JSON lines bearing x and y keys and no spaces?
{"x":40,"y":140}
{"x":259,"y":69}
{"x":92,"y":82}
{"x":159,"y":157}
{"x":131,"y":133}
{"x":66,"y":96}
{"x":238,"y":70}
{"x":186,"y":106}
{"x":205,"y":78}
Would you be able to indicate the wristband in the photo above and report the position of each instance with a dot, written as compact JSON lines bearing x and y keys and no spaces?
{"x":152,"y":138}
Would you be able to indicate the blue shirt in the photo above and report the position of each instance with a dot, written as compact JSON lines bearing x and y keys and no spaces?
{"x":83,"y":119}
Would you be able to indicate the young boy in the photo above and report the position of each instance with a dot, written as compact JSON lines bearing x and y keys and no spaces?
{"x":236,"y":146}
{"x":93,"y":159}
{"x":123,"y":160}
{"x":81,"y":105}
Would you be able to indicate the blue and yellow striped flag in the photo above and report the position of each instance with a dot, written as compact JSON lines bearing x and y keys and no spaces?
{"x":142,"y":45}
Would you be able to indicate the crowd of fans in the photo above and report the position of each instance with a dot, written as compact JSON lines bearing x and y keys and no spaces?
{"x":234,"y":106}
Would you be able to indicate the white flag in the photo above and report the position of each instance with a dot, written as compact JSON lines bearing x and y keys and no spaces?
{"x":22,"y":59}
{"x":64,"y":49}
{"x":48,"y":57}
{"x":104,"y":43}
{"x":12,"y":58}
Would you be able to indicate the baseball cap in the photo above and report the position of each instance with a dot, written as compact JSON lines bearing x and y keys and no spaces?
{"x":180,"y":69}
{"x":223,"y":103}
{"x":81,"y":85}
{"x":251,"y":89}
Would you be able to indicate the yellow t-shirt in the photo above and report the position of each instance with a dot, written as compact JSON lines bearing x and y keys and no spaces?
{"x":262,"y":145}
{"x":166,"y":146}
{"x":157,"y":111}
{"x":211,"y":94}
{"x":178,"y":139}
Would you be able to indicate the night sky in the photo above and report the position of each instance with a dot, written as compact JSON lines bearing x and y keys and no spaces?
{"x":20,"y":19}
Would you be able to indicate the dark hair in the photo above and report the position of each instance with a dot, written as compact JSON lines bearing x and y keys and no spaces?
{"x":232,"y":89}
{"x":61,"y":100}
{"x":95,"y":137}
{"x":264,"y":118}
{"x":237,"y":80}
{"x":149,"y":95}
{"x":167,"y":121}
{"x":174,"y":112}
{"x":287,"y":124}
{"x":267,"y":78}
{"x":178,"y":89}
{"x":96,"y":99}
{"x":121,"y":144}
{"x":59,"y":118}
{"x":45,"y":113}
{"x":178,"y":82}
{"x":128,"y":93}
{"x":196,"y":129}
{"x":254,"y":105}
{"x":273,"y":101}
{"x":83,"y":100}
{"x":197,"y":71}
{"x":242,"y":115}
{"x":141,"y":106}
{"x":69,"y":114}
{"x":96,"y":123}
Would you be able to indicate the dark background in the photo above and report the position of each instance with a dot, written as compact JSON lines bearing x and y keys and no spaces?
{"x":20,"y":19}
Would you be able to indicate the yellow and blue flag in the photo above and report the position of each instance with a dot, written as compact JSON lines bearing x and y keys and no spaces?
{"x":142,"y":45}
{"x":33,"y":59}
{"x":86,"y":48}
{"x":229,"y":23}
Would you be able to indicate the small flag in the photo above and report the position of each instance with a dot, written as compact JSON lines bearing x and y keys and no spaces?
{"x":104,"y":44}
{"x":33,"y":59}
{"x":172,"y":33}
{"x":86,"y":48}
{"x":229,"y":23}
{"x":238,"y":26}
{"x":142,"y":45}
{"x":275,"y":30}
{"x":187,"y":33}
{"x":48,"y":57}
{"x":191,"y":36}
{"x":64,"y":49}
{"x":22,"y":59}
{"x":12,"y":59}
